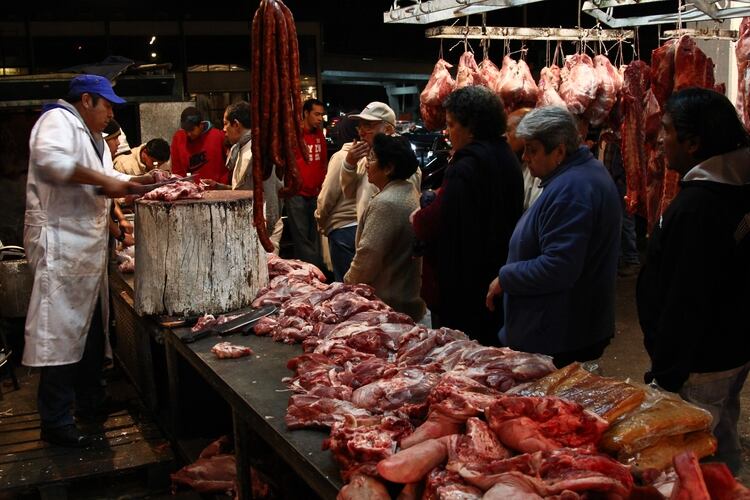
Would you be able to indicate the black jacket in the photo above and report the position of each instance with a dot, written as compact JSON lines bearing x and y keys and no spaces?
{"x":694,"y":290}
{"x":481,"y":202}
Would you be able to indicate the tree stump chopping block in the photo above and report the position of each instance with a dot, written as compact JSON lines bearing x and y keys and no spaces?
{"x":197,"y":256}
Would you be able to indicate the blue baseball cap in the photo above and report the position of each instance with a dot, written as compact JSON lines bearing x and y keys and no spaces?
{"x":94,"y":84}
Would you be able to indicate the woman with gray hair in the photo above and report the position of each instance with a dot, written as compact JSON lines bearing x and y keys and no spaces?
{"x":559,"y":280}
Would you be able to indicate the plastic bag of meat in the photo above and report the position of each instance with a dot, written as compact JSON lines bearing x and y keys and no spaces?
{"x":227,"y":350}
{"x":468,"y":71}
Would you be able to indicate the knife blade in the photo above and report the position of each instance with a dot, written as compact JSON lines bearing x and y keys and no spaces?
{"x":246,"y":319}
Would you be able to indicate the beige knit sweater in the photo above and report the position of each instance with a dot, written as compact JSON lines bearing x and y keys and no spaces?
{"x":384,"y":244}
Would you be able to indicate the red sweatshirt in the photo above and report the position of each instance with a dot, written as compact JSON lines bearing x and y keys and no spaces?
{"x":313,"y":172}
{"x":204,"y":157}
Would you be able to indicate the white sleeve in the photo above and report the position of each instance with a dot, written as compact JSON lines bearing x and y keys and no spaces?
{"x":53,"y":147}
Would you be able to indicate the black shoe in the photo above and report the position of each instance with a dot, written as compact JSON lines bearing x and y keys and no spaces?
{"x":67,"y":435}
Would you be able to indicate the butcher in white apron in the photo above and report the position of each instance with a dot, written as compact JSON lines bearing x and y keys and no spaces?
{"x":65,"y":237}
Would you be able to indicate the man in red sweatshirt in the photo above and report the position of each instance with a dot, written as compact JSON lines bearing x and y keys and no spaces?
{"x":198,"y":148}
{"x":300,"y":209}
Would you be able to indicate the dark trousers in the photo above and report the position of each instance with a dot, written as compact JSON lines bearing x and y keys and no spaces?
{"x":61,"y":387}
{"x":341,"y":245}
{"x":303,"y":229}
{"x":586,"y":354}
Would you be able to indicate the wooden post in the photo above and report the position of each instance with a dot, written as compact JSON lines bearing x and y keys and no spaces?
{"x":197,"y":256}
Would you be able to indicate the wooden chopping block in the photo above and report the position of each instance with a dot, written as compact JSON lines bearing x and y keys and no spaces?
{"x":197,"y":256}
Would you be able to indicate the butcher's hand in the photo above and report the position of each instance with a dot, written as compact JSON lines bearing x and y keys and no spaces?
{"x":128,"y":241}
{"x":411,"y":215}
{"x":358,"y":151}
{"x":126,"y":226}
{"x":212,"y":184}
{"x":494,"y":290}
{"x":115,"y":188}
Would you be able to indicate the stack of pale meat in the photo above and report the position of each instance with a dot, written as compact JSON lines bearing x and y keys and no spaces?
{"x":585,"y":86}
{"x":676,"y":65}
{"x":445,"y":417}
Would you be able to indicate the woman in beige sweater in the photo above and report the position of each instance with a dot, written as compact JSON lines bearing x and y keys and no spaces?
{"x":385,"y":239}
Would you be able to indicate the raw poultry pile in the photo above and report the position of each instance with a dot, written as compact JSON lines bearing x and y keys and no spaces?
{"x":275,"y":104}
{"x":448,"y":418}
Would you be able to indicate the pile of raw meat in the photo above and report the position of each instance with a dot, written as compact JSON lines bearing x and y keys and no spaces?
{"x":742,"y":51}
{"x":126,"y":259}
{"x":435,"y":412}
{"x":179,"y":190}
{"x":676,"y":65}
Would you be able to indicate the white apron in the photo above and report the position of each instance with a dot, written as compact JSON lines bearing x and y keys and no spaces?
{"x":65,"y":238}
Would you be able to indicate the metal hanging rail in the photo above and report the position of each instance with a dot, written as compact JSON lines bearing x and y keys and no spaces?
{"x":432,"y":11}
{"x":702,"y":34}
{"x":507,"y":33}
{"x":694,"y":10}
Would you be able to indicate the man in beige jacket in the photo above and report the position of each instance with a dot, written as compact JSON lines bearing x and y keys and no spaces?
{"x":144,"y":158}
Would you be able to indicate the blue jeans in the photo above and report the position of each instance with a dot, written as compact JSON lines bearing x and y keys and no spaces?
{"x":341,"y":245}
{"x":719,"y":393}
{"x":63,"y":386}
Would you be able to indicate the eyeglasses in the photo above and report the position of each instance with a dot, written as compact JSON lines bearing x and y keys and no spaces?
{"x":364,"y":125}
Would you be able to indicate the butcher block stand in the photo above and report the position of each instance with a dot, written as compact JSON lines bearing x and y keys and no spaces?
{"x":197,"y":256}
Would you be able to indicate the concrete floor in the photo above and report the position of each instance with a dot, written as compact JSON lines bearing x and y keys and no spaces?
{"x":626,"y":358}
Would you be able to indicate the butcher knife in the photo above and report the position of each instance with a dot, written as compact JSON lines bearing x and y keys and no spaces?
{"x":245,"y":320}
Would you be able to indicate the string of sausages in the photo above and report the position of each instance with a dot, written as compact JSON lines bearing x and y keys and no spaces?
{"x":276,"y":106}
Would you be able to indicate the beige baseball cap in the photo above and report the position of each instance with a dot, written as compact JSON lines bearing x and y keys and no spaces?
{"x":377,"y":111}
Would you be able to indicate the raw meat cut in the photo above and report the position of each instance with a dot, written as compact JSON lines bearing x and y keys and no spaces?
{"x":363,"y":487}
{"x":662,"y":69}
{"x":721,"y":484}
{"x":692,"y":68}
{"x":358,"y":446}
{"x":208,"y":320}
{"x":690,"y":484}
{"x":468,"y":71}
{"x":550,"y":78}
{"x":126,"y":259}
{"x":439,"y":86}
{"x":432,"y":116}
{"x":226,"y":350}
{"x":307,"y":411}
{"x":445,"y":485}
{"x":478,"y":445}
{"x":550,"y":97}
{"x":742,"y":51}
{"x":215,"y":471}
{"x":528,"y":423}
{"x":579,"y":83}
{"x":410,"y":386}
{"x":281,"y":288}
{"x":637,"y":80}
{"x":518,"y":87}
{"x":180,"y":190}
{"x":412,"y":464}
{"x":606,"y":94}
{"x":491,"y":75}
{"x":415,"y":346}
{"x":292,"y":267}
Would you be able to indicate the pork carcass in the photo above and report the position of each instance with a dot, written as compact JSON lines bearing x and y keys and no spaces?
{"x":468,"y":71}
{"x":309,"y":411}
{"x":491,"y":75}
{"x":431,"y":99}
{"x":413,"y":464}
{"x":180,"y":190}
{"x":518,"y":87}
{"x":606,"y":94}
{"x":528,"y":424}
{"x":742,"y":51}
{"x":227,"y":350}
{"x":579,"y":83}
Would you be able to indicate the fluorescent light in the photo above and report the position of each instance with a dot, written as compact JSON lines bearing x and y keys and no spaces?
{"x":153,"y":39}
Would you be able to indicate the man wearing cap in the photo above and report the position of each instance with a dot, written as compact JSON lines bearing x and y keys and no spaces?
{"x":65,"y":237}
{"x":376,"y":118}
{"x":198,"y":148}
{"x":144,"y":158}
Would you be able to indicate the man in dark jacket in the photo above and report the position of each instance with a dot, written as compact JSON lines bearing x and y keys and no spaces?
{"x":694,"y":290}
{"x":467,"y":228}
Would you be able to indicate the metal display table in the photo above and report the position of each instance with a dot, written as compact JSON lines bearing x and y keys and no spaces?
{"x":253,"y":388}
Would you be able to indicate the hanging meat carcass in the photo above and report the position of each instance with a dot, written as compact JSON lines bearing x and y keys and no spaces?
{"x":518,"y":87}
{"x":692,"y":68}
{"x":431,"y":99}
{"x":637,"y":80}
{"x":491,"y":75}
{"x":579,"y":83}
{"x":662,"y":70}
{"x":549,"y":86}
{"x":606,"y":94}
{"x":468,"y":71}
{"x":742,"y":51}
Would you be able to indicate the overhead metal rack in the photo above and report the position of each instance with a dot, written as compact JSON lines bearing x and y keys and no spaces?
{"x":432,"y":11}
{"x":692,"y":10}
{"x":507,"y":33}
{"x":703,"y":34}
